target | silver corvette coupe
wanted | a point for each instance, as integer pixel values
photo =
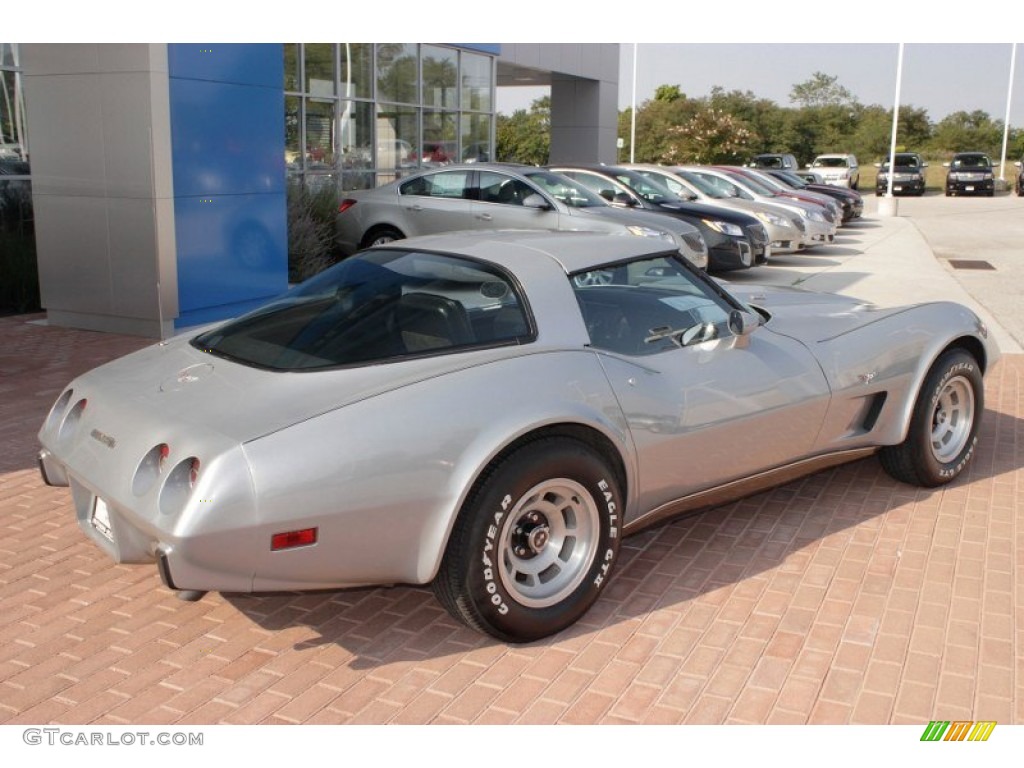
(490, 413)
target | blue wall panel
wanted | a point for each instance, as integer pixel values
(227, 135)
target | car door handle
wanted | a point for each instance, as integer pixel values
(415, 207)
(485, 216)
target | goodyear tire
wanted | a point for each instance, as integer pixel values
(535, 543)
(943, 431)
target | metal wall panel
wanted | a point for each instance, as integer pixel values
(227, 135)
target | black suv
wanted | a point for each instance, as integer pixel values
(970, 173)
(775, 161)
(908, 176)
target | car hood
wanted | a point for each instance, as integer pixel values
(175, 383)
(635, 216)
(809, 316)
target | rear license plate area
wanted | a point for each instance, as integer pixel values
(100, 519)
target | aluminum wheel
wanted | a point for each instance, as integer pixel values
(548, 543)
(952, 419)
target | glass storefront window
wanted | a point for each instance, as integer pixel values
(440, 137)
(291, 66)
(440, 77)
(319, 134)
(363, 114)
(476, 139)
(319, 69)
(398, 137)
(356, 70)
(355, 134)
(293, 132)
(13, 136)
(397, 73)
(476, 82)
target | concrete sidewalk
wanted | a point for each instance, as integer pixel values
(889, 262)
(897, 266)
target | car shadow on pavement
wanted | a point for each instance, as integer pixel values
(661, 572)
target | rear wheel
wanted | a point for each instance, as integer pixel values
(535, 543)
(943, 428)
(381, 236)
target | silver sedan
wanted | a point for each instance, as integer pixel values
(479, 196)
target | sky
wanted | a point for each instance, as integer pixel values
(955, 58)
(941, 78)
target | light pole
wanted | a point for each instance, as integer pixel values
(889, 206)
(1006, 121)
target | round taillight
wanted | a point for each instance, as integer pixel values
(57, 411)
(149, 469)
(70, 423)
(178, 486)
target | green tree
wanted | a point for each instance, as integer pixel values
(525, 135)
(821, 91)
(966, 131)
(668, 93)
(710, 136)
(653, 120)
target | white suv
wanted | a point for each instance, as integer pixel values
(837, 170)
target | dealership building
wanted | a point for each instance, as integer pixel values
(155, 179)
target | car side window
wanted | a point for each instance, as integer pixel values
(648, 306)
(450, 184)
(502, 189)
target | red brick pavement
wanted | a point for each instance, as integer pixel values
(842, 598)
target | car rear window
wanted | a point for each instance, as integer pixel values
(383, 305)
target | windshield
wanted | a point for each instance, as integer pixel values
(831, 162)
(704, 187)
(971, 161)
(754, 185)
(791, 179)
(382, 305)
(649, 190)
(566, 190)
(903, 161)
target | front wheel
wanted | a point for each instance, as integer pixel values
(943, 428)
(535, 543)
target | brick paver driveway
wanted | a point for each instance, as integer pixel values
(842, 598)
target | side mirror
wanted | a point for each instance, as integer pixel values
(743, 323)
(536, 201)
(623, 198)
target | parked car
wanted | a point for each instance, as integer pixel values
(772, 160)
(838, 169)
(494, 196)
(490, 414)
(833, 209)
(850, 199)
(908, 175)
(1020, 178)
(785, 229)
(819, 230)
(970, 173)
(735, 240)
